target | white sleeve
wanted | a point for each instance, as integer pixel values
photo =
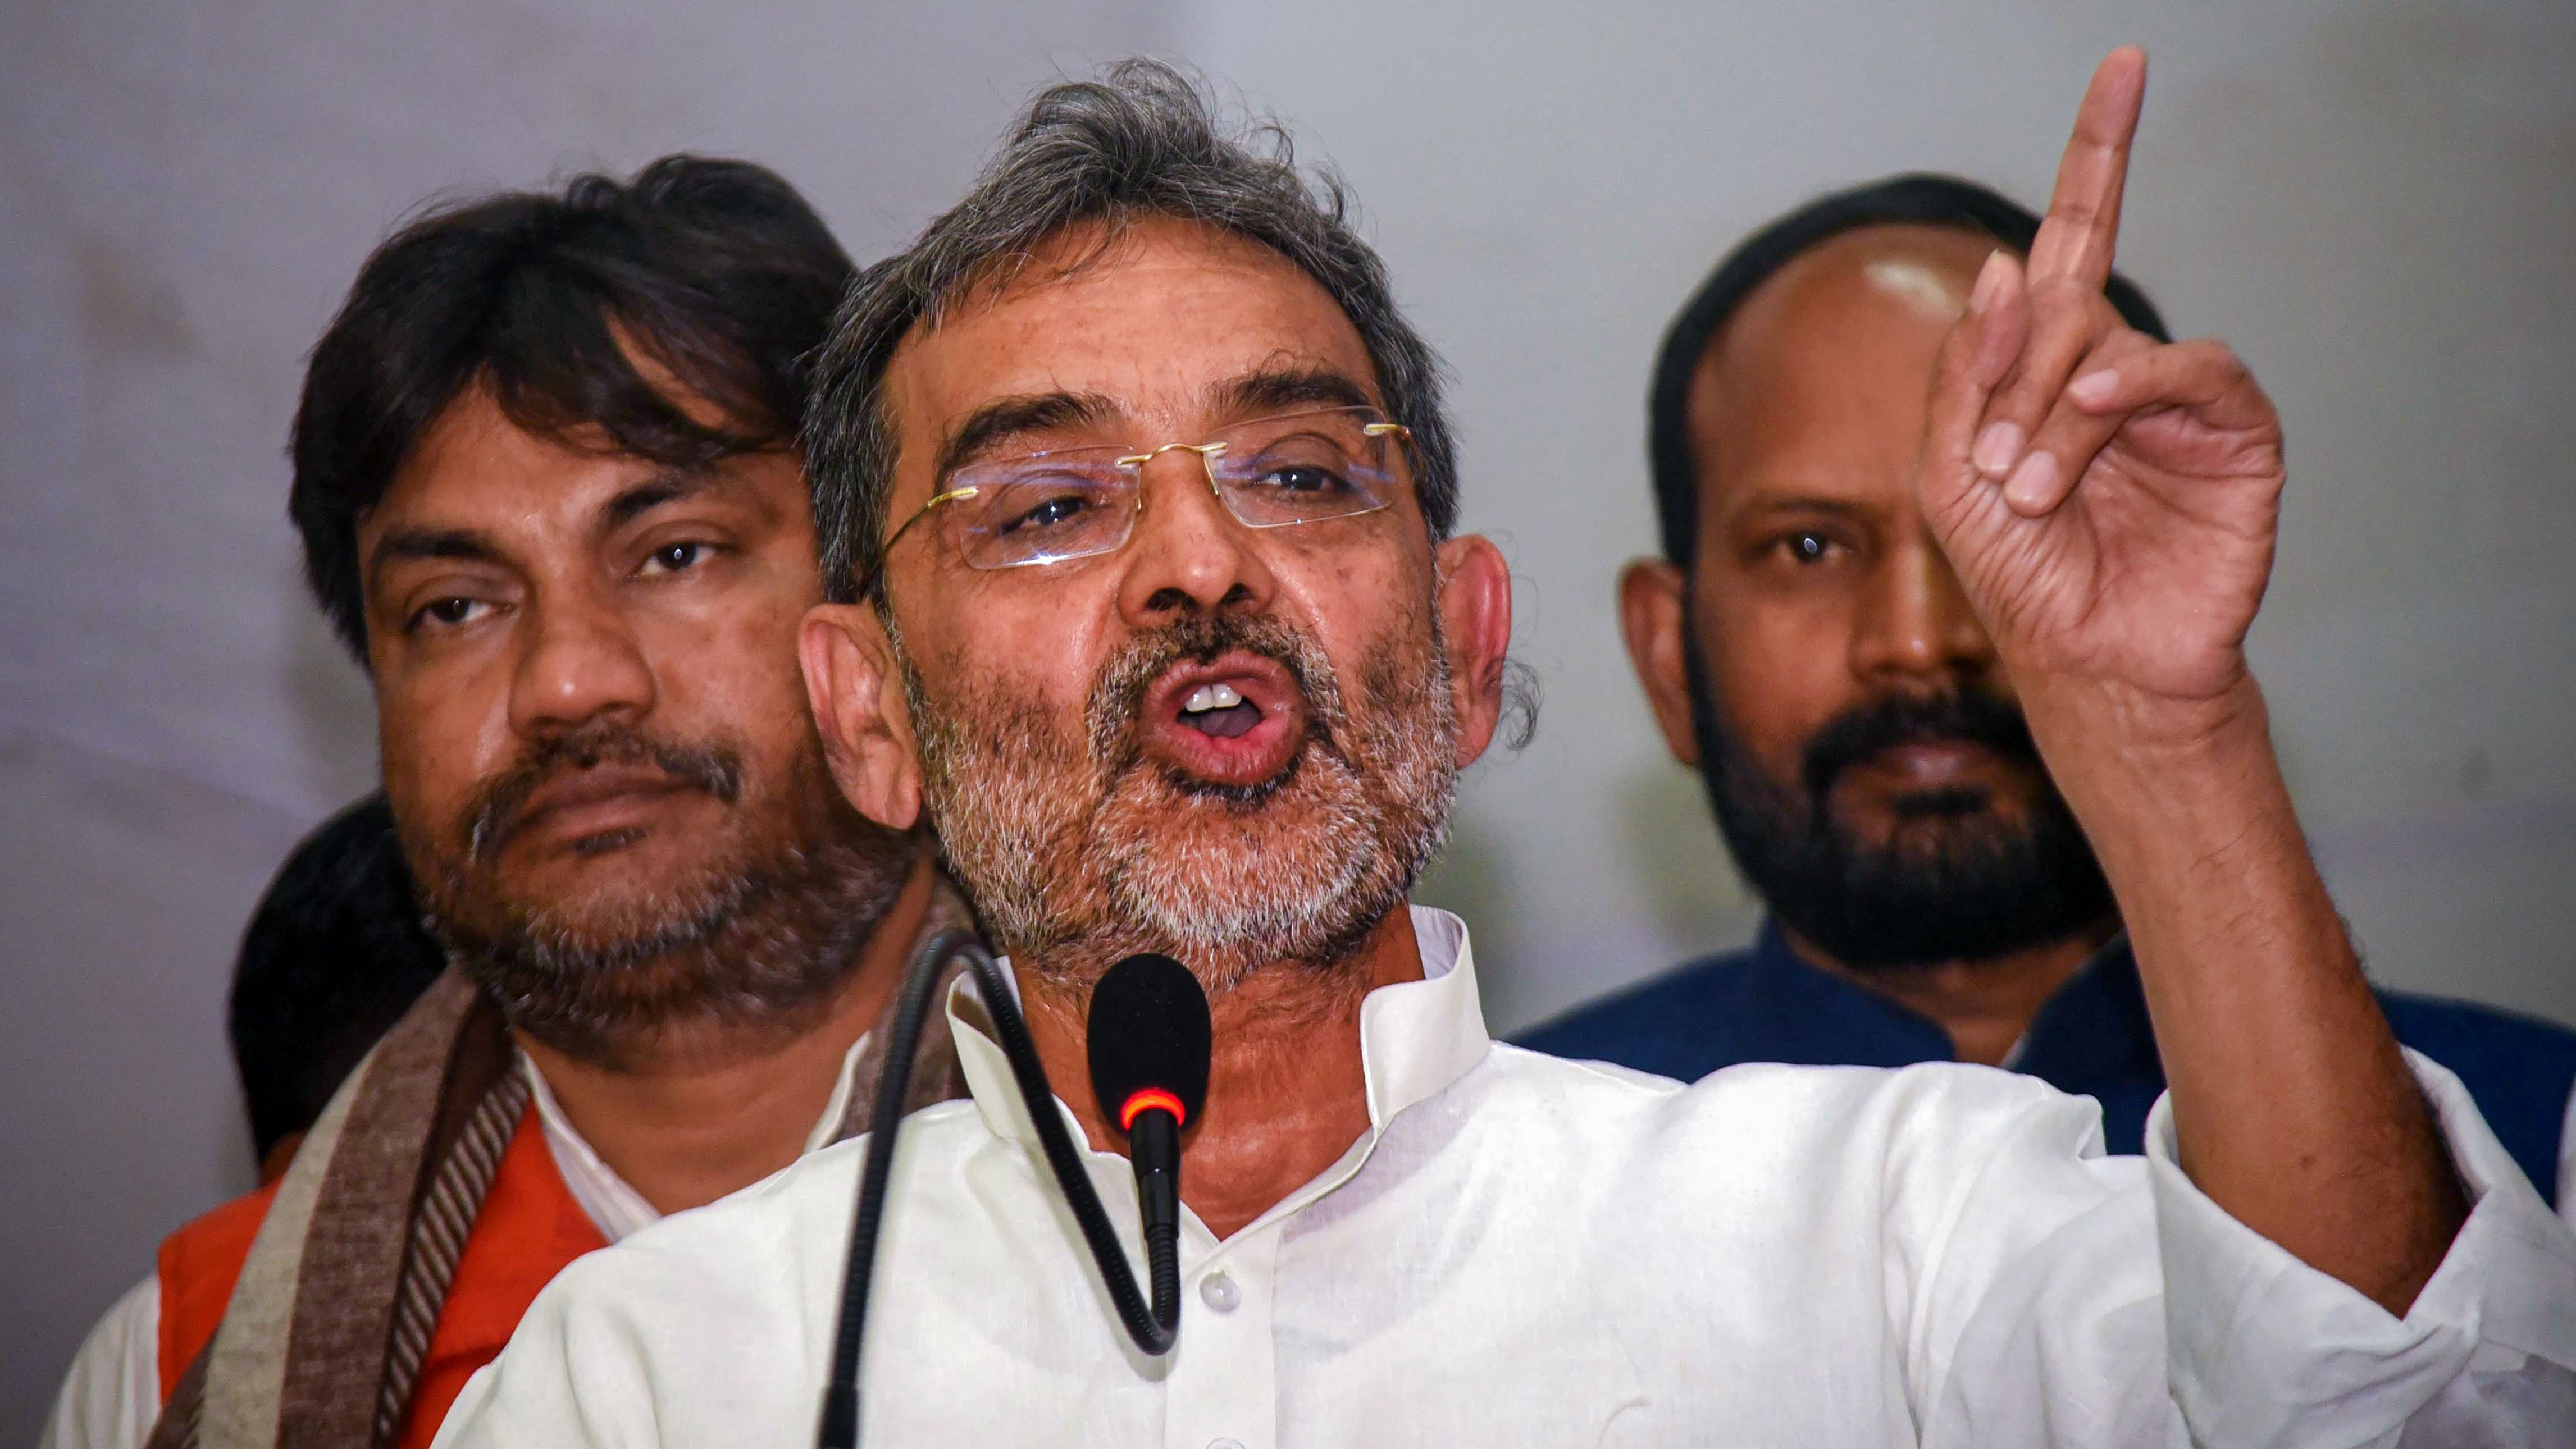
(2035, 1315)
(112, 1395)
(2266, 1350)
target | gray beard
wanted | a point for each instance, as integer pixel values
(1081, 852)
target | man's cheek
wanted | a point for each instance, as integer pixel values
(1781, 720)
(1771, 723)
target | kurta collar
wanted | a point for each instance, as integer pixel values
(1416, 1037)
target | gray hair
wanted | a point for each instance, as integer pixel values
(1142, 141)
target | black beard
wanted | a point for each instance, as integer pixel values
(1983, 887)
(761, 941)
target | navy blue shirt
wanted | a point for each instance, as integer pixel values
(1764, 1004)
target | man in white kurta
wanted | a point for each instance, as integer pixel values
(1146, 503)
(1523, 1250)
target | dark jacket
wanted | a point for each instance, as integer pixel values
(1764, 1004)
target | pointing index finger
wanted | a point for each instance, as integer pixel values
(2083, 223)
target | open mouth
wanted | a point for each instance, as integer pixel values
(1219, 710)
(1235, 720)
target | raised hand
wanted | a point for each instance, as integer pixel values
(2110, 505)
(2109, 502)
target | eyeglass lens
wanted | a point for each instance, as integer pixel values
(1269, 473)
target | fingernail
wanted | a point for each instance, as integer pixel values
(1996, 448)
(2094, 388)
(2029, 488)
(1989, 277)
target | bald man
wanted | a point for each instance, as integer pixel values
(1807, 648)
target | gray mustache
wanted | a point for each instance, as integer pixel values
(1118, 696)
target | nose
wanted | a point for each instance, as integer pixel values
(579, 661)
(1916, 627)
(1188, 553)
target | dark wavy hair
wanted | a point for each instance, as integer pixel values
(715, 272)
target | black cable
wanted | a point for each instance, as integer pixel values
(885, 1123)
(1155, 1332)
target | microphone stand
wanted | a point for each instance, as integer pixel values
(1154, 1330)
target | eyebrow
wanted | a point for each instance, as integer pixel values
(636, 500)
(1766, 500)
(403, 545)
(466, 545)
(1274, 390)
(1283, 389)
(1003, 419)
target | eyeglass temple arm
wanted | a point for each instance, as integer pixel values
(876, 571)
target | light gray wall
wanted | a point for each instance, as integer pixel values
(2373, 200)
(185, 193)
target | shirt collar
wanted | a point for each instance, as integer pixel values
(1416, 1037)
(1837, 1007)
(610, 1202)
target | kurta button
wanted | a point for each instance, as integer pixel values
(1217, 1291)
(1225, 1444)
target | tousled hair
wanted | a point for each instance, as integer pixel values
(716, 273)
(1914, 198)
(1142, 141)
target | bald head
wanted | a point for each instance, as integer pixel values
(1944, 207)
(1819, 378)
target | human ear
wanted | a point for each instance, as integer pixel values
(856, 693)
(1654, 610)
(1476, 619)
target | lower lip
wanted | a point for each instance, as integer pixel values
(1251, 758)
(1938, 763)
(572, 824)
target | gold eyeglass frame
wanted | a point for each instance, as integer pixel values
(1208, 453)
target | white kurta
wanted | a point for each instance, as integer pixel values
(1527, 1251)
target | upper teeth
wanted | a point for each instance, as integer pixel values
(1212, 696)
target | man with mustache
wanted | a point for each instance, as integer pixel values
(1139, 499)
(1806, 645)
(549, 490)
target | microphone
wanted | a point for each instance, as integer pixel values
(1149, 1041)
(1154, 1060)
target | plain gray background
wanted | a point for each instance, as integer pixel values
(2375, 201)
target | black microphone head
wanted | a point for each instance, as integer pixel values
(1149, 1032)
